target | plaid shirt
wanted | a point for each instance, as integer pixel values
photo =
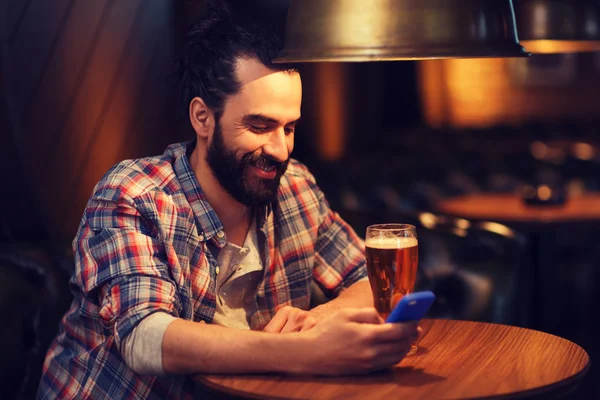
(149, 240)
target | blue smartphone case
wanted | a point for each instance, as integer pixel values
(412, 307)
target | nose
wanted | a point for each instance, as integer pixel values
(279, 145)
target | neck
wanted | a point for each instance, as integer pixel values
(234, 216)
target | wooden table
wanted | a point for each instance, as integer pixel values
(457, 360)
(541, 224)
(509, 209)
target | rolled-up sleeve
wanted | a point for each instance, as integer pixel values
(127, 301)
(339, 252)
(121, 266)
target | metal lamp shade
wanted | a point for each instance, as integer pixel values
(376, 30)
(558, 26)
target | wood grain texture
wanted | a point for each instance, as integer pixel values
(508, 208)
(40, 28)
(86, 84)
(64, 73)
(457, 360)
(16, 11)
(122, 132)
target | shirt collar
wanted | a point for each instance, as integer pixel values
(208, 224)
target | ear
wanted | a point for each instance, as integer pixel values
(201, 118)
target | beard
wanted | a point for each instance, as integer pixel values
(236, 176)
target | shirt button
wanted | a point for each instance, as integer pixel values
(217, 269)
(220, 234)
(201, 238)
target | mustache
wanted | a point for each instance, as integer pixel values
(264, 161)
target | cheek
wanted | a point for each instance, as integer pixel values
(246, 145)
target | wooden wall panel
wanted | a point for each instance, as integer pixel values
(88, 89)
(17, 209)
(40, 30)
(16, 11)
(64, 74)
(91, 103)
(123, 131)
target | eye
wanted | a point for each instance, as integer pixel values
(258, 129)
(289, 130)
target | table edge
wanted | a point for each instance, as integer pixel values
(571, 383)
(441, 208)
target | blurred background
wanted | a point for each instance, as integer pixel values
(83, 85)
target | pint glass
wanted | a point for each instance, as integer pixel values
(392, 259)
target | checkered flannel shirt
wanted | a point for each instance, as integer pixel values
(148, 241)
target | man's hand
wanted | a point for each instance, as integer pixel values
(291, 319)
(355, 341)
(350, 341)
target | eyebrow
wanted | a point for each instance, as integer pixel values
(259, 118)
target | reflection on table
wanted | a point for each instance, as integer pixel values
(457, 359)
(510, 209)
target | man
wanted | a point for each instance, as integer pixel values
(201, 260)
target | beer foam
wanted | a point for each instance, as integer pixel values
(391, 242)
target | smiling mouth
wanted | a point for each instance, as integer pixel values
(264, 171)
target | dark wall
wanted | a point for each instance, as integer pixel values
(83, 86)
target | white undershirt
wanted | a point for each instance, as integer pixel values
(240, 271)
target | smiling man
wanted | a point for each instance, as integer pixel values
(202, 259)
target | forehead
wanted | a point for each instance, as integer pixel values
(276, 94)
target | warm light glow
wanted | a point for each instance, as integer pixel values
(500, 229)
(539, 150)
(331, 109)
(428, 220)
(544, 192)
(432, 85)
(465, 92)
(463, 224)
(459, 232)
(583, 151)
(483, 93)
(560, 46)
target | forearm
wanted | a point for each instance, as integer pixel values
(190, 347)
(356, 296)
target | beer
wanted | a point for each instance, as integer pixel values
(392, 267)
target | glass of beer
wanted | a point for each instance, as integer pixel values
(392, 252)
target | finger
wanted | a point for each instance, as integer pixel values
(290, 327)
(293, 323)
(277, 323)
(362, 315)
(299, 321)
(309, 323)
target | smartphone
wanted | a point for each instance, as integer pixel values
(412, 307)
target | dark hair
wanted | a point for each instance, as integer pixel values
(206, 67)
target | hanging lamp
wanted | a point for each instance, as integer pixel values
(379, 30)
(558, 26)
